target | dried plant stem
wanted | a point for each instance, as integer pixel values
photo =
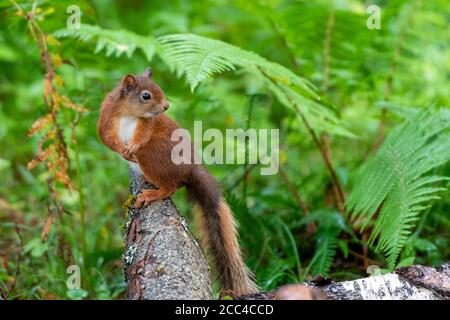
(337, 189)
(53, 154)
(339, 195)
(311, 226)
(325, 145)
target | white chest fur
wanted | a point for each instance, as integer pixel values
(127, 125)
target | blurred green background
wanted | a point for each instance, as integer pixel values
(367, 79)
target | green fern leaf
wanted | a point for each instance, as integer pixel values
(115, 42)
(199, 58)
(330, 225)
(396, 183)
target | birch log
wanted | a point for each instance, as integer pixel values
(162, 260)
(408, 283)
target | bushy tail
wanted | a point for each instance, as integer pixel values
(218, 233)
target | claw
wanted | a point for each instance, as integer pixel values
(148, 196)
(129, 153)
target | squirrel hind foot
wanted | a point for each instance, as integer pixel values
(148, 196)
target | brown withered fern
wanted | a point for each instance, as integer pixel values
(52, 148)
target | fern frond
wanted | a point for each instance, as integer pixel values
(115, 42)
(199, 58)
(198, 63)
(396, 184)
(330, 225)
(202, 57)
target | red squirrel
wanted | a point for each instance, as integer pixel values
(132, 123)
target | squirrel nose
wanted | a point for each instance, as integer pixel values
(166, 106)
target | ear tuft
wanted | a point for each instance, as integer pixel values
(148, 72)
(129, 82)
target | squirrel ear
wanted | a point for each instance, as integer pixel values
(148, 72)
(129, 82)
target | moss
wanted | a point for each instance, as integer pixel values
(129, 203)
(160, 269)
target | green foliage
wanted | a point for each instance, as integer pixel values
(315, 59)
(325, 248)
(326, 243)
(115, 42)
(200, 58)
(397, 184)
(330, 226)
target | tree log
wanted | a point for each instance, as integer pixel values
(162, 260)
(407, 283)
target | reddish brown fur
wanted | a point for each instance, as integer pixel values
(151, 148)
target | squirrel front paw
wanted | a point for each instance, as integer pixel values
(129, 153)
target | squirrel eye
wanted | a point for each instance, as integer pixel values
(146, 95)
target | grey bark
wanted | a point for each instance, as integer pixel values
(408, 283)
(161, 258)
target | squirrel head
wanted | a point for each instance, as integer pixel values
(141, 96)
